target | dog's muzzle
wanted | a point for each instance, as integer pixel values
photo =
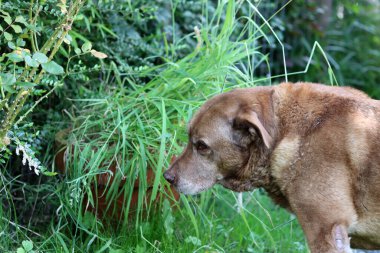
(170, 176)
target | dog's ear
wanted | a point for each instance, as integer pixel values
(249, 121)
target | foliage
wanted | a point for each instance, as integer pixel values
(346, 30)
(354, 44)
(29, 73)
(27, 247)
(23, 68)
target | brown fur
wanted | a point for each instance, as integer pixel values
(315, 149)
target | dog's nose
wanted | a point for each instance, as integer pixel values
(170, 176)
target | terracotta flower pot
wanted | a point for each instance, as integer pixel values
(104, 208)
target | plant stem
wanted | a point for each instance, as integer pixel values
(23, 94)
(31, 22)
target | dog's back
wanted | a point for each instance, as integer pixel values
(340, 126)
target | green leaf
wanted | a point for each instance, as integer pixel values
(20, 250)
(39, 92)
(25, 84)
(77, 51)
(20, 42)
(7, 79)
(28, 245)
(68, 39)
(40, 57)
(4, 13)
(53, 68)
(194, 240)
(229, 20)
(11, 45)
(17, 28)
(15, 57)
(21, 19)
(50, 173)
(1, 28)
(86, 47)
(8, 36)
(8, 20)
(31, 62)
(9, 89)
(25, 52)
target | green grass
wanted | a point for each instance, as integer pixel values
(221, 227)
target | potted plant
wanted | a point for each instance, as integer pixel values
(113, 192)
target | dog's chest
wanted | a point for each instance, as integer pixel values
(284, 158)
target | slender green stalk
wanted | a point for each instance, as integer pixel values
(31, 33)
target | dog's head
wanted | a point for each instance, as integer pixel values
(226, 138)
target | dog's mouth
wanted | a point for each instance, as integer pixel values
(192, 191)
(188, 187)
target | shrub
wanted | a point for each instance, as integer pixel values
(25, 64)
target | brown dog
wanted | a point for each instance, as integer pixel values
(315, 149)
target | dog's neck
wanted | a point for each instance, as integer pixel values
(256, 174)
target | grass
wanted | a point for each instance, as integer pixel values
(136, 127)
(222, 227)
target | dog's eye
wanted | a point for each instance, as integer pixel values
(201, 146)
